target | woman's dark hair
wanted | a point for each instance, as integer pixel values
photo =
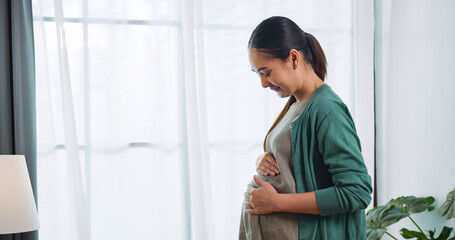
(276, 36)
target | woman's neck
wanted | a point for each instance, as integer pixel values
(310, 84)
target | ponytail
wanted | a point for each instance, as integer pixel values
(316, 56)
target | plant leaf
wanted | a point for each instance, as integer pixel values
(447, 209)
(384, 216)
(411, 204)
(375, 233)
(445, 233)
(412, 234)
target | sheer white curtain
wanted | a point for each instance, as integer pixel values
(149, 117)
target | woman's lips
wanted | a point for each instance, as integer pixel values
(276, 89)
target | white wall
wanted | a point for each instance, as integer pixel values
(415, 103)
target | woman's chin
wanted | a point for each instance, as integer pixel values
(282, 94)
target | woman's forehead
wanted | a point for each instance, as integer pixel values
(259, 59)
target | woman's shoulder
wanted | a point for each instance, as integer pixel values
(325, 101)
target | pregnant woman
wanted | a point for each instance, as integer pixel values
(312, 182)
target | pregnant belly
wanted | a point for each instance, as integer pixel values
(281, 182)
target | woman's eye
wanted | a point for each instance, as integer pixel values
(267, 74)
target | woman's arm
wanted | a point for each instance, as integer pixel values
(298, 203)
(265, 200)
(340, 148)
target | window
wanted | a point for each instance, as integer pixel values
(125, 111)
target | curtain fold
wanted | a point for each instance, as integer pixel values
(77, 199)
(17, 89)
(198, 150)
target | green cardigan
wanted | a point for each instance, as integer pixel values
(328, 161)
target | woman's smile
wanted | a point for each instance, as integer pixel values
(276, 89)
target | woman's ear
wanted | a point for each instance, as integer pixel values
(294, 58)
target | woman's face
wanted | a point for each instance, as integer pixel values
(280, 76)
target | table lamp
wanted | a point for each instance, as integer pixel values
(17, 205)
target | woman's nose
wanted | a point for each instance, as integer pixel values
(264, 82)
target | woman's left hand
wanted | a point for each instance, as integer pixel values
(262, 200)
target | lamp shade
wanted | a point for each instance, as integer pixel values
(17, 205)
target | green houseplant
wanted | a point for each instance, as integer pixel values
(379, 218)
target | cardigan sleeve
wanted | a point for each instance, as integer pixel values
(340, 148)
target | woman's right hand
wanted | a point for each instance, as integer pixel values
(266, 165)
